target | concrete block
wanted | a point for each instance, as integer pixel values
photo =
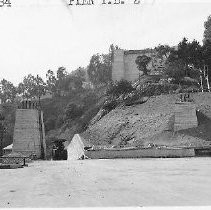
(26, 137)
(185, 116)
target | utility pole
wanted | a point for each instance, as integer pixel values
(201, 80)
(207, 77)
(1, 141)
(1, 134)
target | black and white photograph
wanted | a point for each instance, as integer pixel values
(105, 103)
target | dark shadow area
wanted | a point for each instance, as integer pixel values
(202, 118)
(203, 131)
(203, 152)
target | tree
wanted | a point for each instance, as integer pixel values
(57, 83)
(64, 81)
(23, 91)
(112, 48)
(176, 70)
(190, 53)
(39, 87)
(100, 66)
(61, 75)
(207, 31)
(73, 111)
(51, 81)
(186, 60)
(25, 88)
(7, 91)
(207, 44)
(161, 56)
(183, 51)
(95, 69)
(80, 73)
(163, 51)
(32, 87)
(142, 61)
(195, 54)
(72, 82)
(77, 77)
(2, 130)
(207, 55)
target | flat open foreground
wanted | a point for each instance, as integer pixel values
(120, 182)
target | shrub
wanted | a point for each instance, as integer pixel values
(176, 70)
(89, 99)
(110, 104)
(87, 117)
(119, 88)
(158, 89)
(73, 111)
(50, 124)
(59, 121)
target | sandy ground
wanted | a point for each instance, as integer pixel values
(122, 182)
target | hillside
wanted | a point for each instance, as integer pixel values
(151, 122)
(62, 126)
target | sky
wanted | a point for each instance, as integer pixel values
(38, 35)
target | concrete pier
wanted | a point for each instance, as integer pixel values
(26, 138)
(185, 116)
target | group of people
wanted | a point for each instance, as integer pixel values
(185, 97)
(29, 104)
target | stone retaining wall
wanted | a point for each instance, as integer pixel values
(140, 153)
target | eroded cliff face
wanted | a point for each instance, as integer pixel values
(152, 122)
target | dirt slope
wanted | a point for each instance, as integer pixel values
(152, 122)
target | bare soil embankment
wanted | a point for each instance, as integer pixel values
(152, 122)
